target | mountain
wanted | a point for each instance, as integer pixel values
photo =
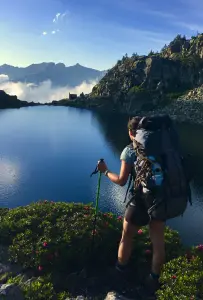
(146, 82)
(7, 101)
(59, 74)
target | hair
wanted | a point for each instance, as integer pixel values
(133, 123)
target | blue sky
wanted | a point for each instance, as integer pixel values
(94, 33)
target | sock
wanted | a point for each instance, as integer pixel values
(155, 276)
(121, 267)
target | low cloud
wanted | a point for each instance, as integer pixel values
(3, 78)
(44, 92)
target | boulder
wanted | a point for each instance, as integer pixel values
(10, 292)
(116, 296)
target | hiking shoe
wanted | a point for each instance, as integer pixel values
(149, 288)
(116, 280)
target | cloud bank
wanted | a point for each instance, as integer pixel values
(3, 78)
(44, 92)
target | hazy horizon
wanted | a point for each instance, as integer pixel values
(43, 92)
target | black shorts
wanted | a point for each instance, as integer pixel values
(136, 214)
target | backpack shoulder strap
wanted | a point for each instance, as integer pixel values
(131, 175)
(129, 184)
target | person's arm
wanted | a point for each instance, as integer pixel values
(120, 179)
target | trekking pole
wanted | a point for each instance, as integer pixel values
(96, 204)
(84, 273)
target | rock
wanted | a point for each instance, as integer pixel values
(4, 269)
(116, 296)
(7, 101)
(10, 292)
(79, 298)
(10, 268)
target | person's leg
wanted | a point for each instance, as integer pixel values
(135, 217)
(125, 246)
(151, 284)
(156, 230)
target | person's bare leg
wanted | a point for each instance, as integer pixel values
(125, 246)
(156, 230)
(151, 285)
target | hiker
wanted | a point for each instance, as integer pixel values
(136, 214)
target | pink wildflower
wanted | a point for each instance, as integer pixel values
(200, 247)
(140, 231)
(40, 268)
(45, 244)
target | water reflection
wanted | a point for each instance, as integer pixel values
(9, 179)
(114, 128)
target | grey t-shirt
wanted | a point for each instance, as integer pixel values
(128, 155)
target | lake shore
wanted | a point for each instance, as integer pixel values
(181, 110)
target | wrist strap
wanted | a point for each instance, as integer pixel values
(106, 172)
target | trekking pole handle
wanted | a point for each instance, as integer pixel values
(96, 169)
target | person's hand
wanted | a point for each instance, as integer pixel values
(102, 167)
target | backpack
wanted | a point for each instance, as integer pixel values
(161, 177)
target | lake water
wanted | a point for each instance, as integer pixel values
(49, 153)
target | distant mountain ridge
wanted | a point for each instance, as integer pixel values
(58, 73)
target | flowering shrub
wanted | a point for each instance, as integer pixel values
(47, 236)
(182, 278)
(37, 289)
(55, 239)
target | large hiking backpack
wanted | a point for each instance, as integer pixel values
(160, 173)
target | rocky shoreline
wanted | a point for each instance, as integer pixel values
(181, 110)
(187, 108)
